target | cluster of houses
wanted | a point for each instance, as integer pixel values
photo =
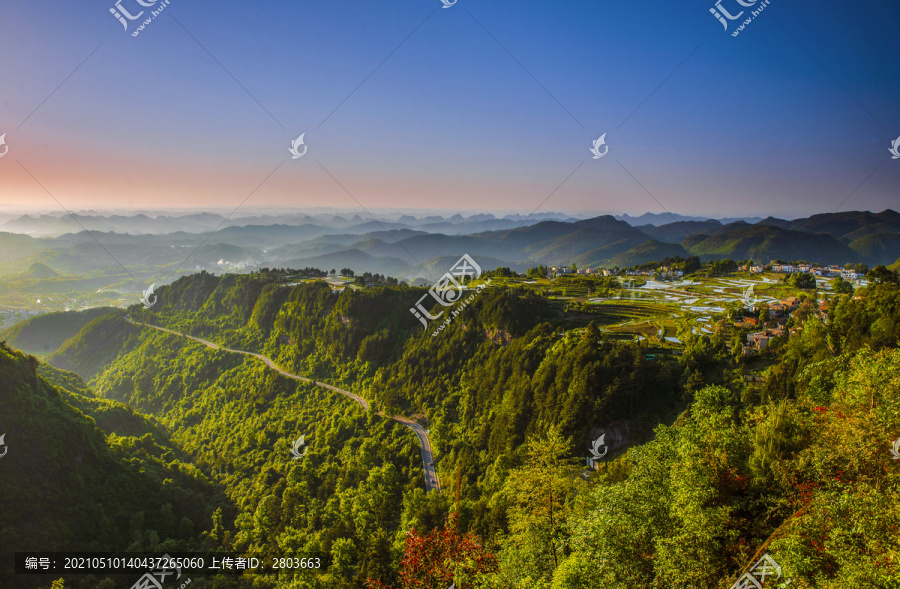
(824, 272)
(663, 271)
(668, 272)
(558, 270)
(779, 313)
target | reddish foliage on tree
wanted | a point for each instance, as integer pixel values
(431, 561)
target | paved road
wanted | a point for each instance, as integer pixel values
(431, 478)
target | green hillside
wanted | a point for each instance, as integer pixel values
(43, 334)
(355, 492)
(704, 470)
(40, 271)
(94, 345)
(690, 242)
(762, 243)
(582, 243)
(356, 260)
(16, 248)
(878, 248)
(846, 225)
(680, 230)
(650, 251)
(68, 486)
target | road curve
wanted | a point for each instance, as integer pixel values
(431, 478)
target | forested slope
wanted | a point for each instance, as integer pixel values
(45, 333)
(345, 501)
(797, 466)
(68, 486)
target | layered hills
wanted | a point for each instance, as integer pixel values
(96, 268)
(193, 444)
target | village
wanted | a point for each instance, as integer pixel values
(663, 272)
(664, 302)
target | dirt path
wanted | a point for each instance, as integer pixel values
(431, 478)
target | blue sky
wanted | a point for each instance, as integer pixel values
(785, 119)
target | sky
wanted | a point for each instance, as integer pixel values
(478, 106)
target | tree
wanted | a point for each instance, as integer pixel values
(539, 492)
(501, 271)
(803, 280)
(721, 267)
(539, 272)
(443, 557)
(882, 275)
(764, 315)
(841, 286)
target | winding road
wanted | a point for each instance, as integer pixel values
(431, 478)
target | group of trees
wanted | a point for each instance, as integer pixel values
(68, 485)
(512, 403)
(688, 265)
(500, 272)
(369, 279)
(883, 275)
(537, 273)
(802, 280)
(276, 272)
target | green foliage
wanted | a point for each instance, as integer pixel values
(803, 280)
(94, 346)
(882, 275)
(500, 272)
(721, 267)
(796, 466)
(238, 419)
(45, 333)
(539, 494)
(593, 283)
(71, 487)
(536, 273)
(841, 286)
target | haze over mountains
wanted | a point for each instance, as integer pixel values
(409, 247)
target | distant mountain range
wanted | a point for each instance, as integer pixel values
(409, 247)
(658, 219)
(53, 225)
